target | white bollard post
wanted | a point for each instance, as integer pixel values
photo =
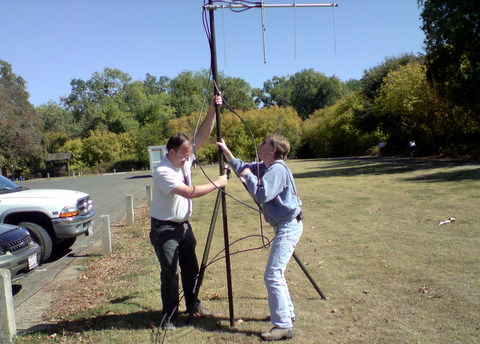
(130, 215)
(8, 329)
(106, 235)
(149, 195)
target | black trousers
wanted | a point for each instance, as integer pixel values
(174, 245)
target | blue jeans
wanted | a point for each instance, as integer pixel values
(287, 235)
(174, 245)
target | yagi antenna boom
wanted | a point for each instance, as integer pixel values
(262, 5)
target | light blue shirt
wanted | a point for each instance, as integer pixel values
(276, 192)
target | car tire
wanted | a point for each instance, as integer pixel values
(41, 237)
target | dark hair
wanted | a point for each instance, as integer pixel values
(176, 141)
(281, 145)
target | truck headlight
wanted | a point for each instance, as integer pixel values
(69, 211)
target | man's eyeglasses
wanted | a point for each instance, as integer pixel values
(183, 156)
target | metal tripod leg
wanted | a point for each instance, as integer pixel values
(203, 266)
(310, 278)
(206, 252)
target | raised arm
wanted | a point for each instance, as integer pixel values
(226, 152)
(206, 127)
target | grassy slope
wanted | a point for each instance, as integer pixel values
(371, 241)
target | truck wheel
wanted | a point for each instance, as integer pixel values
(40, 236)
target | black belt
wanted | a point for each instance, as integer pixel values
(168, 223)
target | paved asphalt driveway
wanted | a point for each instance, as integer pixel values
(108, 193)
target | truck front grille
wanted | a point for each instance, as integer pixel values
(84, 205)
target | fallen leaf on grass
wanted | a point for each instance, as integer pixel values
(449, 220)
(424, 290)
(358, 301)
(215, 297)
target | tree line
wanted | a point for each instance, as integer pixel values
(109, 120)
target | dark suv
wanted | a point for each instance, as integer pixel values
(18, 252)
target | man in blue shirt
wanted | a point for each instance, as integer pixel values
(271, 184)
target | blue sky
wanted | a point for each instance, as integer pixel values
(51, 42)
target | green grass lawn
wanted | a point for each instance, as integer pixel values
(371, 241)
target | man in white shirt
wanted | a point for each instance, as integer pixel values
(171, 234)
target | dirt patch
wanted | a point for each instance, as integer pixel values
(80, 285)
(30, 314)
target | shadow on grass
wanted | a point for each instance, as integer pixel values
(132, 321)
(473, 174)
(138, 321)
(222, 324)
(348, 167)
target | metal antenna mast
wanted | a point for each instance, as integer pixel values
(221, 198)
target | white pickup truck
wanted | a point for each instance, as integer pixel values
(54, 218)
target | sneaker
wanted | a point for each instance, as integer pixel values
(168, 326)
(278, 334)
(203, 311)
